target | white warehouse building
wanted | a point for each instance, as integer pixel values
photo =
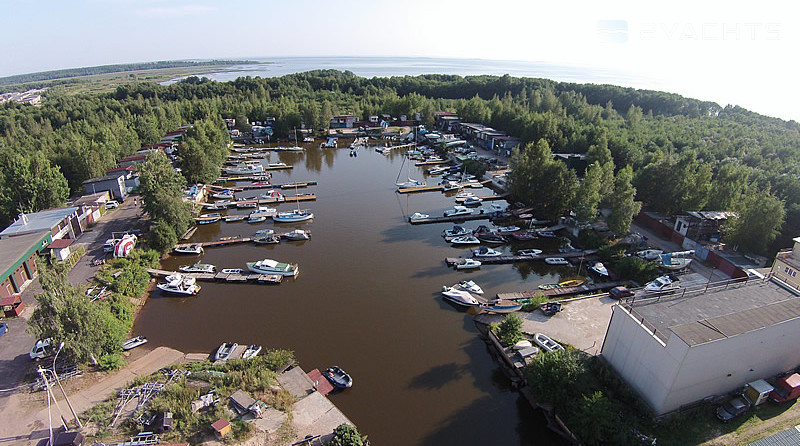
(682, 348)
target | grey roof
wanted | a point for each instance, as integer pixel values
(38, 221)
(698, 318)
(13, 248)
(789, 437)
(109, 177)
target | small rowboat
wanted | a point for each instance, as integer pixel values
(338, 377)
(134, 342)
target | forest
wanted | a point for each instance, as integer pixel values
(679, 154)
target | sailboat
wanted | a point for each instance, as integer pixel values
(293, 216)
(411, 182)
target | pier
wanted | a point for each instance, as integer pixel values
(561, 291)
(244, 277)
(413, 190)
(500, 260)
(456, 219)
(485, 198)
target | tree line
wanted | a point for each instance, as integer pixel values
(683, 154)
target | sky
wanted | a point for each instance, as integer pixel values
(730, 52)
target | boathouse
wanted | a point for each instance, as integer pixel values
(680, 349)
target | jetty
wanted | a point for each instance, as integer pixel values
(413, 190)
(560, 291)
(431, 163)
(457, 218)
(297, 184)
(515, 259)
(244, 277)
(485, 198)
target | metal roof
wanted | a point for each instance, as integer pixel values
(789, 437)
(15, 248)
(38, 221)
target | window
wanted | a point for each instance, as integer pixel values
(790, 271)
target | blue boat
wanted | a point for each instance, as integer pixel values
(296, 215)
(338, 377)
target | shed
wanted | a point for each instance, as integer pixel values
(222, 427)
(757, 391)
(59, 248)
(12, 305)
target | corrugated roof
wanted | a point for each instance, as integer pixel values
(38, 221)
(14, 248)
(733, 324)
(789, 437)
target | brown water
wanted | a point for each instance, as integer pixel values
(367, 299)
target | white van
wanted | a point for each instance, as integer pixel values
(41, 349)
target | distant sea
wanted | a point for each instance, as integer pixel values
(413, 66)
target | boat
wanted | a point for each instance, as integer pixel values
(418, 216)
(273, 196)
(661, 284)
(456, 231)
(178, 277)
(226, 195)
(225, 351)
(260, 214)
(269, 266)
(134, 342)
(548, 234)
(650, 254)
(246, 168)
(234, 218)
(261, 183)
(188, 249)
(218, 206)
(251, 352)
(556, 261)
(296, 235)
(457, 210)
(468, 264)
(599, 268)
(490, 237)
(465, 240)
(270, 239)
(437, 170)
(472, 183)
(256, 218)
(232, 271)
(293, 216)
(472, 201)
(459, 297)
(246, 205)
(449, 186)
(338, 377)
(507, 229)
(308, 139)
(198, 268)
(410, 182)
(180, 285)
(525, 235)
(483, 251)
(502, 306)
(549, 286)
(205, 219)
(263, 232)
(469, 285)
(547, 344)
(109, 245)
(667, 261)
(269, 278)
(529, 252)
(277, 165)
(125, 245)
(571, 283)
(463, 195)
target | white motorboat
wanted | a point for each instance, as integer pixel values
(246, 168)
(232, 271)
(296, 235)
(556, 261)
(459, 297)
(457, 231)
(256, 218)
(472, 183)
(134, 342)
(418, 216)
(465, 240)
(529, 252)
(251, 352)
(437, 170)
(650, 254)
(469, 285)
(226, 195)
(224, 351)
(186, 285)
(507, 229)
(204, 219)
(457, 210)
(263, 232)
(450, 186)
(188, 249)
(661, 284)
(599, 268)
(270, 239)
(464, 195)
(472, 201)
(411, 183)
(468, 264)
(273, 196)
(269, 266)
(547, 344)
(198, 268)
(294, 216)
(483, 251)
(277, 165)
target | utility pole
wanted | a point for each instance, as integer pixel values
(58, 381)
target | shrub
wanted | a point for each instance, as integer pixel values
(510, 330)
(346, 435)
(636, 269)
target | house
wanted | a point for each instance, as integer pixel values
(60, 222)
(445, 121)
(679, 349)
(114, 184)
(130, 175)
(59, 249)
(18, 262)
(132, 160)
(343, 121)
(702, 226)
(787, 264)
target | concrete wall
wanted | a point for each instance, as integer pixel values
(646, 364)
(786, 272)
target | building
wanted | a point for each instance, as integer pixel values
(787, 264)
(132, 160)
(130, 175)
(703, 226)
(680, 349)
(60, 249)
(18, 262)
(114, 184)
(60, 222)
(343, 121)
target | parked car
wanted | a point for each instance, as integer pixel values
(786, 388)
(112, 204)
(732, 408)
(3, 328)
(619, 292)
(42, 349)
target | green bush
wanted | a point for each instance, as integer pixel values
(510, 330)
(636, 269)
(591, 239)
(111, 361)
(346, 435)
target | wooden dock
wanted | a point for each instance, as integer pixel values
(563, 291)
(321, 383)
(455, 219)
(413, 190)
(245, 277)
(232, 241)
(431, 163)
(485, 198)
(515, 259)
(288, 166)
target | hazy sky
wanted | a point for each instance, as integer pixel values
(742, 53)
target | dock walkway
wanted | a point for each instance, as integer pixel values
(556, 292)
(514, 259)
(245, 277)
(457, 218)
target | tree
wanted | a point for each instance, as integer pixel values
(588, 196)
(510, 330)
(162, 236)
(539, 180)
(162, 190)
(552, 377)
(730, 182)
(346, 435)
(760, 219)
(28, 183)
(622, 203)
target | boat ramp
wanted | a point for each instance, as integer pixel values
(561, 291)
(580, 256)
(245, 277)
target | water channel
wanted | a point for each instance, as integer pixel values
(367, 299)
